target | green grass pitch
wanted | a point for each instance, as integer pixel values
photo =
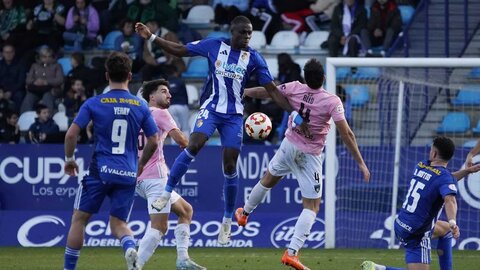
(219, 258)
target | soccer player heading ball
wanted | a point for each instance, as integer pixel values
(300, 154)
(231, 63)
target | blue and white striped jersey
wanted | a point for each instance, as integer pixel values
(229, 72)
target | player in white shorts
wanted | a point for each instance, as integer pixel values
(301, 154)
(152, 182)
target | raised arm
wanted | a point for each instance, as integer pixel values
(349, 139)
(460, 174)
(451, 211)
(176, 49)
(256, 92)
(178, 136)
(475, 150)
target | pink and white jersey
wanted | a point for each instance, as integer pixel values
(156, 168)
(316, 106)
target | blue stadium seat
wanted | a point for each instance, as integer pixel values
(366, 73)
(66, 64)
(469, 95)
(358, 95)
(197, 68)
(470, 143)
(454, 122)
(476, 130)
(407, 13)
(342, 73)
(474, 73)
(109, 41)
(218, 34)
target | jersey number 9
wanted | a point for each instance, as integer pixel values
(119, 135)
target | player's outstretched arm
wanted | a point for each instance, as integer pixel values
(148, 151)
(348, 137)
(451, 212)
(71, 167)
(256, 92)
(460, 174)
(475, 150)
(178, 136)
(176, 49)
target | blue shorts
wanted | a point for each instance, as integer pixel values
(417, 246)
(91, 194)
(230, 127)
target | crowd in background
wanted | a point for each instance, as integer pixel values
(35, 34)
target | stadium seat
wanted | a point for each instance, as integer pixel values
(469, 95)
(366, 73)
(454, 122)
(109, 41)
(197, 68)
(62, 120)
(474, 73)
(313, 42)
(200, 14)
(272, 64)
(476, 130)
(26, 119)
(407, 13)
(219, 34)
(66, 64)
(358, 95)
(342, 72)
(258, 40)
(192, 93)
(284, 41)
(470, 143)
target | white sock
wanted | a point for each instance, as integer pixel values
(182, 236)
(302, 229)
(255, 198)
(227, 220)
(148, 244)
(379, 267)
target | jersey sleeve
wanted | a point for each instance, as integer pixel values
(336, 110)
(164, 120)
(261, 69)
(148, 125)
(84, 114)
(201, 47)
(448, 186)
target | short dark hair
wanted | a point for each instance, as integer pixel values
(40, 107)
(240, 20)
(10, 113)
(151, 86)
(314, 73)
(118, 66)
(79, 57)
(445, 147)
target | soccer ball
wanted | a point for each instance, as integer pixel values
(258, 126)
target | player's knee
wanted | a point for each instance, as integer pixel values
(188, 212)
(229, 168)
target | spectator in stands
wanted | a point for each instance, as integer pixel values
(384, 25)
(131, 44)
(12, 75)
(10, 131)
(48, 23)
(179, 101)
(348, 20)
(79, 71)
(13, 22)
(5, 104)
(265, 18)
(226, 10)
(43, 126)
(323, 12)
(82, 26)
(44, 81)
(162, 11)
(74, 98)
(295, 14)
(288, 70)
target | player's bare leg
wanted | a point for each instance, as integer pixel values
(230, 190)
(179, 168)
(184, 211)
(75, 238)
(121, 231)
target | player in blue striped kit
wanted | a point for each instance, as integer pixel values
(432, 188)
(231, 63)
(117, 118)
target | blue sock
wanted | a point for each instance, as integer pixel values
(393, 268)
(444, 249)
(71, 258)
(230, 189)
(127, 242)
(179, 168)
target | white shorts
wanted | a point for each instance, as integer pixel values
(307, 168)
(150, 190)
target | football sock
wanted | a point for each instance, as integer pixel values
(179, 168)
(390, 268)
(71, 258)
(230, 189)
(302, 229)
(148, 244)
(127, 242)
(182, 235)
(226, 220)
(256, 196)
(444, 250)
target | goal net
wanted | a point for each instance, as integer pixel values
(395, 108)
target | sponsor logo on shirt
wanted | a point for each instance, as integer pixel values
(232, 71)
(105, 169)
(452, 187)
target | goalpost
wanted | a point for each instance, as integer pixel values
(396, 110)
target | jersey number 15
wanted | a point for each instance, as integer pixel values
(415, 187)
